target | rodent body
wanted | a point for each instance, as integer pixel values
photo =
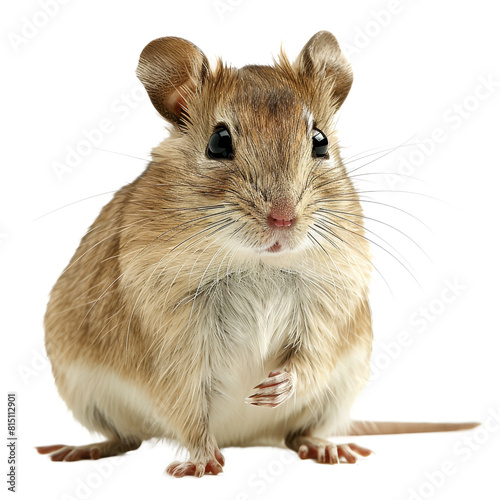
(209, 274)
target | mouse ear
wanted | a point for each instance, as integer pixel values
(322, 58)
(171, 69)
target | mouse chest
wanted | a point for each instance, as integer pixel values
(255, 316)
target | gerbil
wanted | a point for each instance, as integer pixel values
(220, 299)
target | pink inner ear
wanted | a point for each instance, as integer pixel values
(176, 104)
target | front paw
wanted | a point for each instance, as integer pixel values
(274, 390)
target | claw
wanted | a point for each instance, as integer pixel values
(273, 380)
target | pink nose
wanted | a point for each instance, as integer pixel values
(280, 222)
(282, 213)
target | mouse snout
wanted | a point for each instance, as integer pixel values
(282, 213)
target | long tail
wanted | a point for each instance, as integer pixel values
(361, 427)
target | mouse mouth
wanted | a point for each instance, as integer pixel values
(274, 248)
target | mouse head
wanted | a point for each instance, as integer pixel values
(257, 141)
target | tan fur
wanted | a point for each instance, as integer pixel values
(171, 310)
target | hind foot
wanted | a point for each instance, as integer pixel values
(63, 453)
(198, 468)
(326, 452)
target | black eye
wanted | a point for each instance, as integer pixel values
(320, 144)
(220, 144)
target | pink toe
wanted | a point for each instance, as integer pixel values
(303, 451)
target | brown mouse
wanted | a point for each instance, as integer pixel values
(220, 299)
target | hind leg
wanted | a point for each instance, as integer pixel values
(324, 451)
(63, 453)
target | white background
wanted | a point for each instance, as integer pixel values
(416, 65)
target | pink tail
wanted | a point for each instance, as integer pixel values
(361, 427)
